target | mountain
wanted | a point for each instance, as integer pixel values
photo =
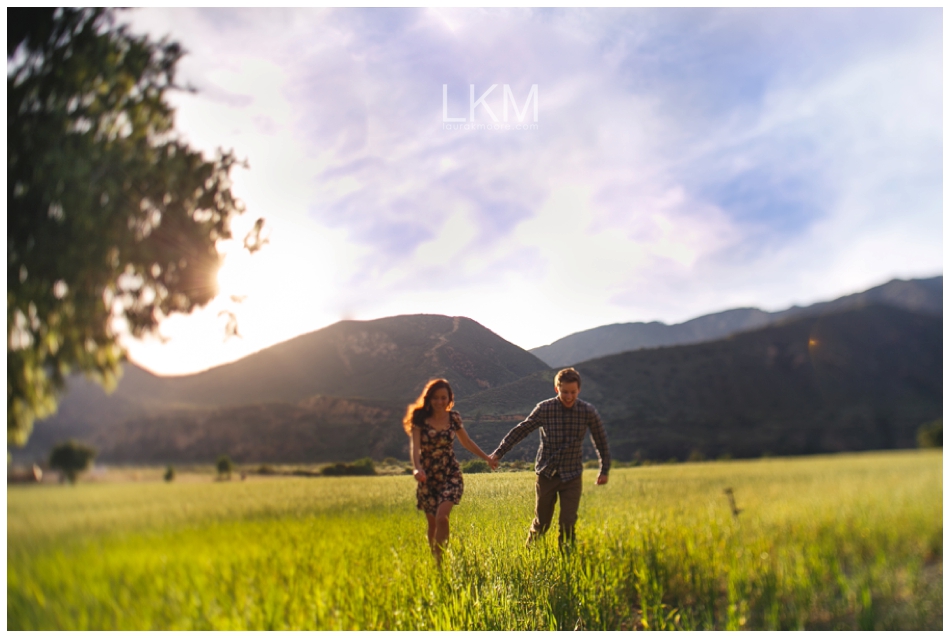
(854, 379)
(924, 296)
(315, 430)
(379, 365)
(621, 337)
(390, 358)
(857, 379)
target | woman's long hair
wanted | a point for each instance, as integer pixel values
(421, 410)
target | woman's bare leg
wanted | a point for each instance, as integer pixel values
(430, 533)
(441, 529)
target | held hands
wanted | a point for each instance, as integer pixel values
(492, 462)
(419, 475)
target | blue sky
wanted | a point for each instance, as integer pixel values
(684, 161)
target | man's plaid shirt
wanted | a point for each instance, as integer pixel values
(562, 433)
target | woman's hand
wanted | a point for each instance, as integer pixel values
(419, 475)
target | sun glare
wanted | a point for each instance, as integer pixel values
(274, 272)
(282, 288)
(242, 274)
(292, 286)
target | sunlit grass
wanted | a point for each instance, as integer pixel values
(850, 542)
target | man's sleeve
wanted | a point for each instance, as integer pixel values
(517, 433)
(599, 436)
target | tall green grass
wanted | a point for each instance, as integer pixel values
(844, 542)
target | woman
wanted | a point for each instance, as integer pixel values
(433, 425)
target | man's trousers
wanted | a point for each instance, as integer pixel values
(547, 491)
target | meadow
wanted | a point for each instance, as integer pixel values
(832, 542)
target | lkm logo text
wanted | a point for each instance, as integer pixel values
(461, 123)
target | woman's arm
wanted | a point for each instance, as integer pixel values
(472, 447)
(415, 444)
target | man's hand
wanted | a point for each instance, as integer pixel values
(493, 462)
(419, 475)
(602, 479)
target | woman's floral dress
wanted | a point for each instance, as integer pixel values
(443, 476)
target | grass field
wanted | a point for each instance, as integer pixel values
(842, 542)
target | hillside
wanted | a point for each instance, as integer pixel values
(924, 296)
(389, 358)
(860, 379)
(318, 429)
(384, 362)
(854, 380)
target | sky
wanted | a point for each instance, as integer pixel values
(683, 162)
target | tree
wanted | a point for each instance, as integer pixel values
(930, 434)
(224, 466)
(169, 474)
(71, 458)
(112, 221)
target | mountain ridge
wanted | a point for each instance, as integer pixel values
(385, 360)
(856, 379)
(920, 295)
(339, 393)
(349, 354)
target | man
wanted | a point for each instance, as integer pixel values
(563, 421)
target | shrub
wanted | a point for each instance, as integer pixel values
(930, 434)
(266, 469)
(475, 466)
(71, 458)
(592, 464)
(362, 467)
(170, 473)
(224, 466)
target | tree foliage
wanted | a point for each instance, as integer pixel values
(71, 458)
(112, 219)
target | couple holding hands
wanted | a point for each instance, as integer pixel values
(563, 420)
